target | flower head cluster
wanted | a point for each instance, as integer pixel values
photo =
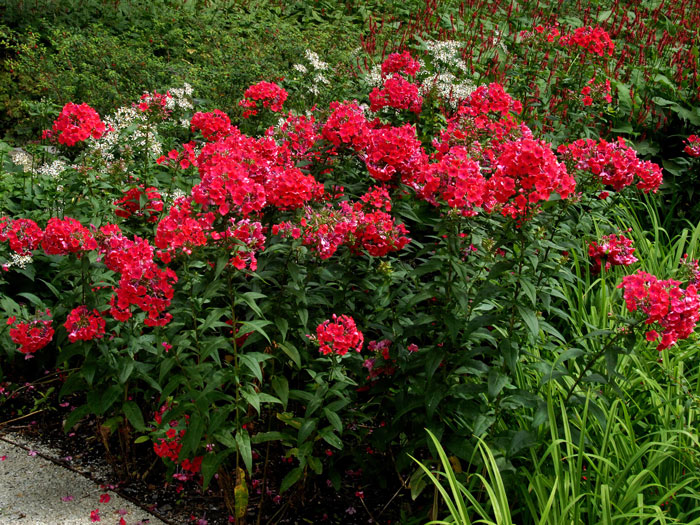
(214, 125)
(692, 147)
(155, 105)
(24, 235)
(346, 125)
(612, 163)
(398, 93)
(84, 325)
(130, 204)
(675, 310)
(170, 447)
(690, 270)
(182, 229)
(527, 173)
(594, 40)
(393, 150)
(613, 250)
(400, 63)
(338, 335)
(269, 94)
(243, 239)
(67, 235)
(31, 335)
(75, 124)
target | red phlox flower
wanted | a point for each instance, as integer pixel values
(675, 310)
(24, 235)
(347, 125)
(76, 123)
(214, 125)
(615, 250)
(594, 40)
(393, 150)
(83, 325)
(131, 204)
(269, 94)
(288, 189)
(182, 228)
(67, 235)
(400, 63)
(397, 93)
(339, 335)
(692, 146)
(155, 105)
(32, 335)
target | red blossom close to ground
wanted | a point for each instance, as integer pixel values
(31, 335)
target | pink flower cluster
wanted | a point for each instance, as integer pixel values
(269, 94)
(75, 124)
(130, 204)
(612, 163)
(338, 336)
(615, 250)
(675, 310)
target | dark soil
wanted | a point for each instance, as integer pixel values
(143, 479)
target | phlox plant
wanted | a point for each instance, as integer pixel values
(326, 289)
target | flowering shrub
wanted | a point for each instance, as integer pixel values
(191, 263)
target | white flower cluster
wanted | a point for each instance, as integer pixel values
(180, 98)
(451, 89)
(318, 79)
(21, 261)
(53, 169)
(447, 53)
(19, 157)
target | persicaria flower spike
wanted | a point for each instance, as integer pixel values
(339, 335)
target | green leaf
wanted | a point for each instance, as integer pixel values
(530, 319)
(282, 326)
(290, 479)
(307, 427)
(243, 442)
(290, 350)
(249, 299)
(141, 439)
(496, 382)
(253, 365)
(133, 414)
(75, 416)
(193, 436)
(281, 387)
(257, 326)
(333, 419)
(125, 370)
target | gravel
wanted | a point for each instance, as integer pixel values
(36, 491)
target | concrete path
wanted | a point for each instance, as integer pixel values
(37, 491)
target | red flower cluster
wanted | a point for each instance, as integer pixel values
(31, 335)
(24, 235)
(455, 179)
(393, 150)
(527, 173)
(595, 40)
(398, 93)
(142, 282)
(675, 310)
(400, 63)
(347, 125)
(130, 204)
(182, 229)
(83, 325)
(690, 270)
(243, 239)
(601, 90)
(155, 105)
(615, 250)
(361, 226)
(271, 95)
(184, 158)
(339, 335)
(75, 124)
(170, 447)
(613, 163)
(288, 189)
(64, 236)
(692, 146)
(214, 126)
